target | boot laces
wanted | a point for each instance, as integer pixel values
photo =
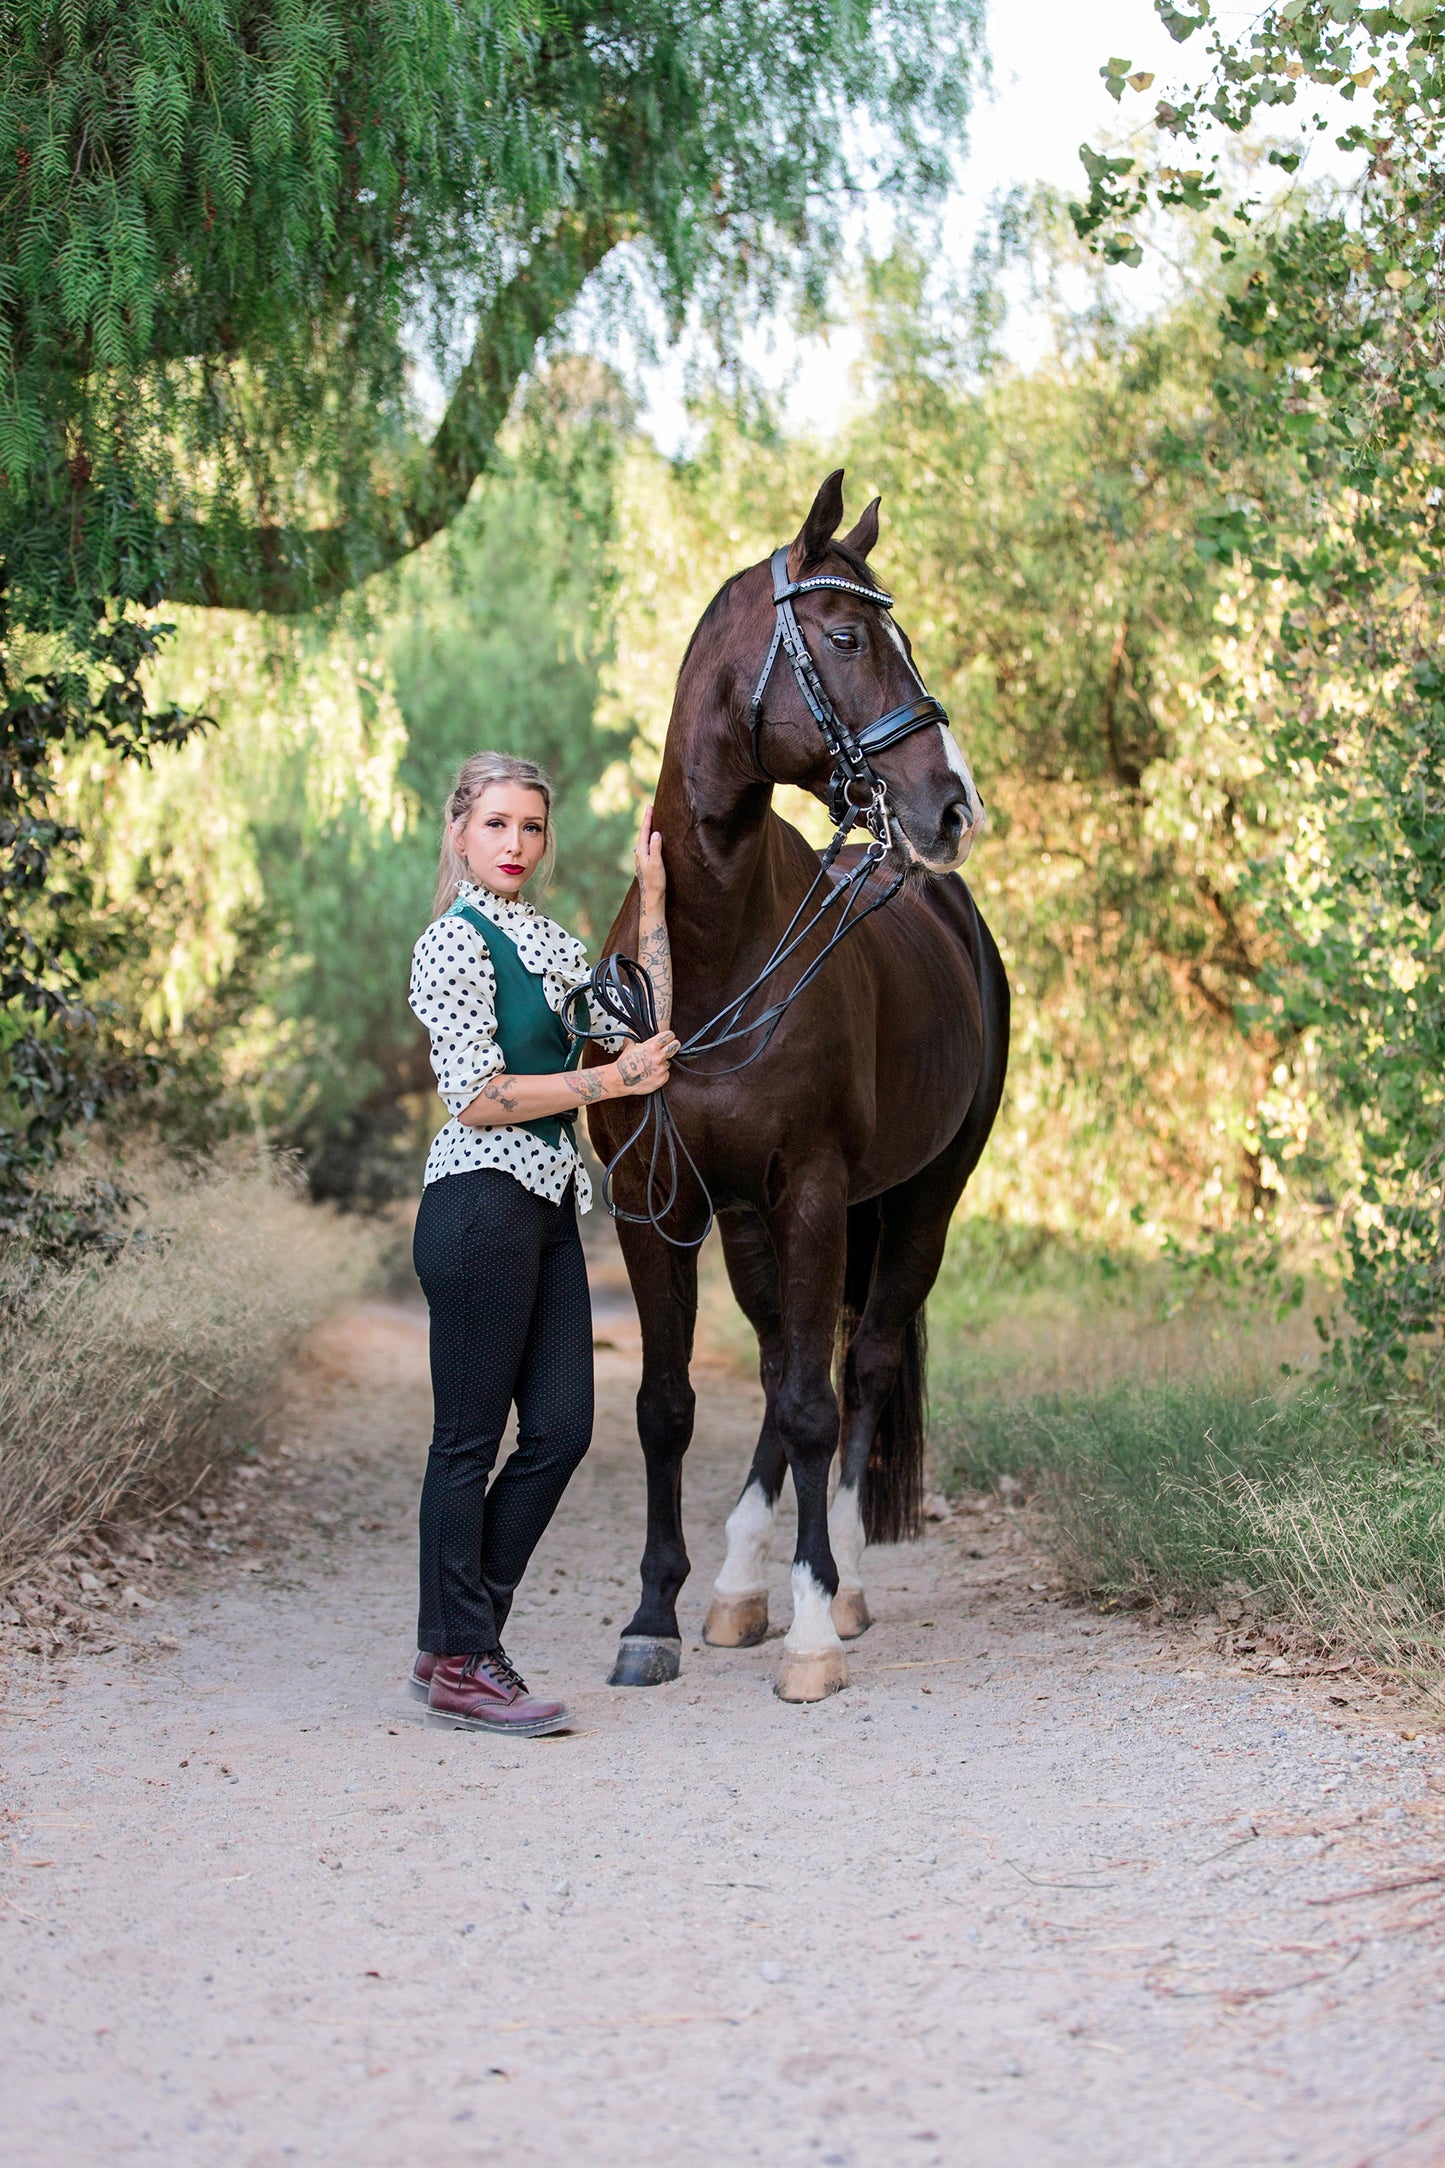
(507, 1670)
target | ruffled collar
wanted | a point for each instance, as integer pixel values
(497, 908)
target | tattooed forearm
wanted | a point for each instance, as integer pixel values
(586, 1085)
(656, 958)
(502, 1092)
(505, 1099)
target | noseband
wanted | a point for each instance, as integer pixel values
(855, 789)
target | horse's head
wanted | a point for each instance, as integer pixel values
(865, 663)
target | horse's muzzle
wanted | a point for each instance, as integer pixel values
(960, 825)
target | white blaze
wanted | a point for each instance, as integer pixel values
(953, 754)
(750, 1536)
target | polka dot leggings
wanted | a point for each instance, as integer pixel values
(511, 1323)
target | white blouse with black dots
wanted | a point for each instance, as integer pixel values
(454, 993)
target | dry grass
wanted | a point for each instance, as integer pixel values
(1175, 1465)
(122, 1382)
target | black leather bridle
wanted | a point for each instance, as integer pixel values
(856, 791)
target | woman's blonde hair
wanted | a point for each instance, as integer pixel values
(473, 777)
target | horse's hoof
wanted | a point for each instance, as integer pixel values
(736, 1622)
(851, 1615)
(811, 1674)
(645, 1660)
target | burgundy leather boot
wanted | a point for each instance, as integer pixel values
(484, 1693)
(419, 1683)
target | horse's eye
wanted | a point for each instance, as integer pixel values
(846, 638)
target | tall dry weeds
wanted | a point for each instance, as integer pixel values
(121, 1382)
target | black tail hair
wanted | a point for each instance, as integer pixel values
(893, 1479)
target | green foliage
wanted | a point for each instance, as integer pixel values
(52, 1075)
(1329, 482)
(1189, 1493)
(1357, 901)
(225, 228)
(223, 223)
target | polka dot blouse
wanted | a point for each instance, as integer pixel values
(454, 993)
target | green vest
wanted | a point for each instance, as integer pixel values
(532, 1036)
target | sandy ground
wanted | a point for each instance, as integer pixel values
(1038, 1889)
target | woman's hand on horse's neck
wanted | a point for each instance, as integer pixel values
(654, 950)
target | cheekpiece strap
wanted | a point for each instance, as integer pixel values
(851, 772)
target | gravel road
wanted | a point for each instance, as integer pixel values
(1041, 1889)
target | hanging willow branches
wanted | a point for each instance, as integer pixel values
(229, 232)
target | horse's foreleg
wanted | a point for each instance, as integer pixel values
(808, 1238)
(738, 1614)
(664, 1282)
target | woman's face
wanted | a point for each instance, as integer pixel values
(503, 837)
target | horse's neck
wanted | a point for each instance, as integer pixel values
(723, 870)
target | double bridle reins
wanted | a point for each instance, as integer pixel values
(857, 796)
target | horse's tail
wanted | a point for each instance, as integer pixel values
(893, 1479)
(892, 1499)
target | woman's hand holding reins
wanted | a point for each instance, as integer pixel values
(643, 1068)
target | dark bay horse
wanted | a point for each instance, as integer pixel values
(836, 1159)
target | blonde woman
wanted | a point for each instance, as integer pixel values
(497, 1247)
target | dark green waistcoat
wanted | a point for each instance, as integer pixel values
(532, 1036)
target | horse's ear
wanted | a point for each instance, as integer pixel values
(865, 534)
(820, 526)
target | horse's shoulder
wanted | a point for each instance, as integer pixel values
(941, 901)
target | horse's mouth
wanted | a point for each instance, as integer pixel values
(919, 865)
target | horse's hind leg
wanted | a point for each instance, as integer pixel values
(808, 1231)
(895, 1247)
(664, 1282)
(738, 1615)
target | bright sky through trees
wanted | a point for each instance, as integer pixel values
(1047, 98)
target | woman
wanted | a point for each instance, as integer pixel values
(497, 1247)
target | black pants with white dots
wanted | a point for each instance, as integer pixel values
(511, 1324)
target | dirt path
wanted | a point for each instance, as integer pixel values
(1031, 1892)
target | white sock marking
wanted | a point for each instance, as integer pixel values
(750, 1537)
(812, 1628)
(845, 1537)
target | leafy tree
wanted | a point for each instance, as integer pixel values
(1038, 530)
(224, 228)
(261, 889)
(1335, 370)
